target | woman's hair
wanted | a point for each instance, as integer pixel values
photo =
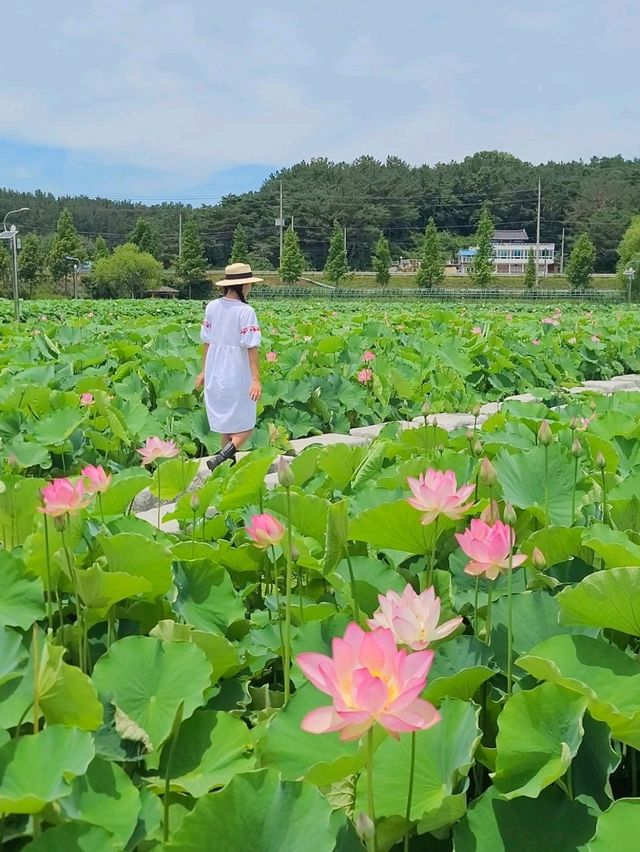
(237, 289)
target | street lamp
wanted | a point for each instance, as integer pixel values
(629, 274)
(76, 264)
(12, 234)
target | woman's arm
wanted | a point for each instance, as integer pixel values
(200, 376)
(256, 388)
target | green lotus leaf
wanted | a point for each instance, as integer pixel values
(372, 578)
(604, 599)
(104, 797)
(551, 822)
(125, 486)
(618, 827)
(461, 665)
(308, 512)
(594, 763)
(21, 593)
(557, 544)
(13, 656)
(139, 556)
(395, 525)
(616, 549)
(19, 503)
(283, 815)
(100, 589)
(528, 762)
(444, 755)
(246, 480)
(76, 836)
(56, 428)
(521, 476)
(149, 679)
(340, 462)
(206, 597)
(222, 655)
(174, 477)
(337, 534)
(605, 675)
(36, 768)
(27, 453)
(211, 748)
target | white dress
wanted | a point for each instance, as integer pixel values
(230, 328)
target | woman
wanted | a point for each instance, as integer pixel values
(230, 372)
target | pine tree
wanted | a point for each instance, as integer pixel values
(240, 247)
(431, 270)
(482, 268)
(381, 260)
(5, 264)
(66, 243)
(192, 266)
(30, 261)
(337, 266)
(292, 265)
(145, 237)
(530, 272)
(100, 248)
(581, 261)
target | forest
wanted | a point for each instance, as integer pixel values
(368, 197)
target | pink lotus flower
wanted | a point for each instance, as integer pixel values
(476, 330)
(437, 493)
(365, 376)
(271, 357)
(368, 356)
(508, 317)
(86, 399)
(62, 497)
(550, 321)
(99, 479)
(155, 448)
(595, 338)
(265, 531)
(412, 618)
(371, 681)
(535, 341)
(488, 547)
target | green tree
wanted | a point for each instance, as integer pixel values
(30, 261)
(336, 268)
(66, 243)
(240, 247)
(126, 272)
(292, 265)
(5, 264)
(381, 260)
(581, 262)
(530, 271)
(192, 266)
(431, 271)
(100, 248)
(482, 267)
(145, 237)
(629, 251)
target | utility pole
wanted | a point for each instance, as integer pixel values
(281, 225)
(344, 235)
(562, 253)
(180, 237)
(538, 234)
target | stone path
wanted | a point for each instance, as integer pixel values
(145, 505)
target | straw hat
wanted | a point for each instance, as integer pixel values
(238, 274)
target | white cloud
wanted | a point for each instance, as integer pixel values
(185, 89)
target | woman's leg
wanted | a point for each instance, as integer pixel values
(227, 452)
(239, 438)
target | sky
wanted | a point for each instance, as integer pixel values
(156, 100)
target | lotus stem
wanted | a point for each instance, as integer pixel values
(48, 564)
(488, 621)
(432, 561)
(370, 799)
(510, 624)
(167, 776)
(546, 483)
(573, 493)
(287, 604)
(79, 618)
(605, 507)
(36, 681)
(412, 769)
(278, 606)
(475, 605)
(352, 581)
(159, 493)
(100, 507)
(634, 772)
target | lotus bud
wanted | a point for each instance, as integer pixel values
(537, 559)
(365, 828)
(60, 522)
(601, 462)
(545, 435)
(426, 408)
(477, 448)
(295, 553)
(509, 514)
(488, 475)
(576, 448)
(194, 502)
(475, 411)
(285, 474)
(470, 435)
(573, 424)
(434, 423)
(593, 405)
(491, 514)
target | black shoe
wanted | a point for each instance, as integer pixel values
(225, 454)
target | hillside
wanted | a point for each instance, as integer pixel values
(368, 196)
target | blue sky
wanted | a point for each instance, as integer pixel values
(150, 99)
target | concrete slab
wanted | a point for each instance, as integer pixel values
(627, 377)
(522, 397)
(151, 516)
(301, 444)
(449, 422)
(490, 408)
(374, 429)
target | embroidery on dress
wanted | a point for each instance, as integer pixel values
(250, 328)
(206, 324)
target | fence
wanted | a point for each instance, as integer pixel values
(438, 295)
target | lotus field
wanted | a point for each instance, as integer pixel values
(426, 641)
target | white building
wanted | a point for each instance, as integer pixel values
(510, 254)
